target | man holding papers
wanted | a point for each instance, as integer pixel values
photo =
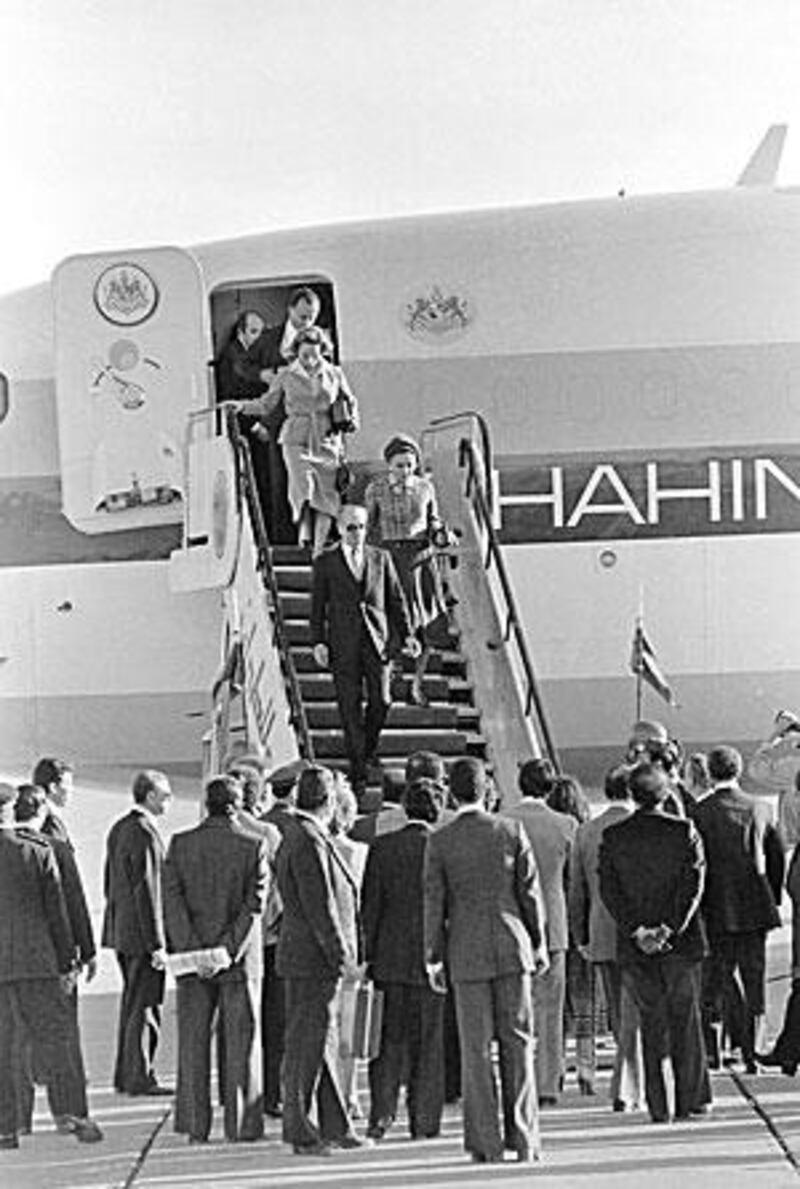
(215, 888)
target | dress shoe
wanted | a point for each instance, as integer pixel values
(274, 1110)
(197, 1139)
(528, 1156)
(696, 1112)
(659, 1118)
(152, 1091)
(351, 1142)
(585, 1087)
(85, 1130)
(486, 1158)
(377, 1131)
(772, 1059)
(7, 1142)
(318, 1148)
(548, 1100)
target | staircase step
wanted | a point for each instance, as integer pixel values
(443, 664)
(293, 578)
(329, 744)
(325, 716)
(318, 687)
(291, 555)
(295, 605)
(451, 664)
(298, 631)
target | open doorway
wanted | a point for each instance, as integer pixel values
(251, 335)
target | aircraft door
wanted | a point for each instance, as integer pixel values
(133, 346)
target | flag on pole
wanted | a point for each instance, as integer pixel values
(645, 665)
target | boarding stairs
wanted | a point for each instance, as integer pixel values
(483, 698)
(448, 725)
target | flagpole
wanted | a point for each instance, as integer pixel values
(640, 666)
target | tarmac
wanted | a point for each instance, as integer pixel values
(751, 1139)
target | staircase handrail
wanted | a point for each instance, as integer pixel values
(246, 474)
(479, 490)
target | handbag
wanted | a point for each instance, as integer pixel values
(361, 1020)
(344, 477)
(342, 413)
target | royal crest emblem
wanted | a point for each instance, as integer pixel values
(125, 294)
(439, 315)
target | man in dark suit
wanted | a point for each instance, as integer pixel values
(37, 977)
(357, 605)
(412, 1047)
(134, 928)
(216, 880)
(283, 782)
(30, 812)
(652, 873)
(318, 944)
(483, 920)
(745, 861)
(56, 778)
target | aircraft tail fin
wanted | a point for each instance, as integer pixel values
(762, 168)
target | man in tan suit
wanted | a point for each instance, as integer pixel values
(483, 921)
(551, 835)
(594, 931)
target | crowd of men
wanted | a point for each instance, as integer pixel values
(462, 916)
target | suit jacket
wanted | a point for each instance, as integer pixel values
(35, 935)
(260, 828)
(238, 370)
(652, 872)
(483, 912)
(74, 896)
(53, 826)
(215, 889)
(745, 862)
(551, 835)
(133, 921)
(590, 922)
(320, 930)
(394, 906)
(341, 606)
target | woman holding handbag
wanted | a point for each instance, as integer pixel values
(403, 517)
(320, 409)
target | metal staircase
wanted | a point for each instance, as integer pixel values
(448, 725)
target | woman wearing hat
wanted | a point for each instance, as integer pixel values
(404, 518)
(312, 443)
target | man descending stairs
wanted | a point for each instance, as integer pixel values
(448, 725)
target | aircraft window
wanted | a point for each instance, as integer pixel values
(3, 396)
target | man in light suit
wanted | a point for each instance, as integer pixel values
(594, 931)
(133, 927)
(652, 872)
(483, 922)
(551, 835)
(216, 879)
(319, 942)
(357, 605)
(745, 861)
